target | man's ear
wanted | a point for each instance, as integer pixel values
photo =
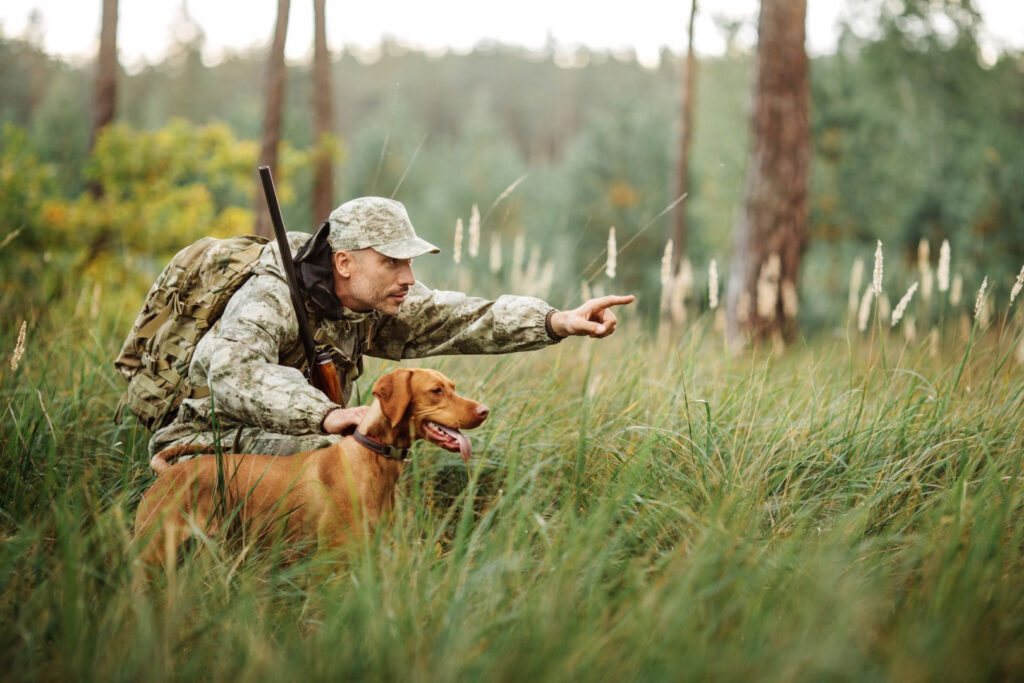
(342, 263)
(394, 391)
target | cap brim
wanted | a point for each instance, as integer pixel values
(407, 248)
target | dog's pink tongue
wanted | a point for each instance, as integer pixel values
(464, 447)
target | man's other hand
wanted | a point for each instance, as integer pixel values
(344, 420)
(593, 318)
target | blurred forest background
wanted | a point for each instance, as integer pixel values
(914, 136)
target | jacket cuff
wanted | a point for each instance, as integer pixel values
(555, 338)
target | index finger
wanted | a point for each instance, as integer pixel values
(610, 300)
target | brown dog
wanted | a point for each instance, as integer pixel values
(324, 495)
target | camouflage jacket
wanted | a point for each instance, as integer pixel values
(252, 358)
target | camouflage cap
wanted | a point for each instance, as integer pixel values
(378, 223)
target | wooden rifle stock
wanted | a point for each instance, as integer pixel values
(323, 374)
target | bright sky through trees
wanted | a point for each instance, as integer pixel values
(146, 27)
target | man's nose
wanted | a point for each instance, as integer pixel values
(405, 276)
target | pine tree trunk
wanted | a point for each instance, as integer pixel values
(106, 79)
(272, 118)
(680, 231)
(772, 231)
(323, 171)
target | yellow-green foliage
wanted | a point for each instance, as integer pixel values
(163, 189)
(159, 190)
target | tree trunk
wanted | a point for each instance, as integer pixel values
(772, 231)
(272, 118)
(680, 231)
(106, 79)
(323, 171)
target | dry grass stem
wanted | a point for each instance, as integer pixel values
(956, 291)
(10, 237)
(901, 307)
(884, 307)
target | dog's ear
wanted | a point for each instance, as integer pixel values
(394, 391)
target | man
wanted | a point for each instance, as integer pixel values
(356, 274)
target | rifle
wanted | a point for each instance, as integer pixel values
(322, 374)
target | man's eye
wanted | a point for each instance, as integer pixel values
(392, 262)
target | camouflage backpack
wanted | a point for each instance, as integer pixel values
(185, 301)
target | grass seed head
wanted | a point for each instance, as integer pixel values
(682, 287)
(790, 300)
(19, 346)
(495, 254)
(666, 266)
(666, 275)
(924, 266)
(609, 266)
(856, 280)
(901, 307)
(474, 232)
(876, 280)
(1018, 285)
(865, 309)
(943, 274)
(768, 287)
(979, 303)
(457, 247)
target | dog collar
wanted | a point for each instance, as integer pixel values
(389, 452)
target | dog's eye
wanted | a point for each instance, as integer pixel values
(436, 390)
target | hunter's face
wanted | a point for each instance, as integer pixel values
(376, 282)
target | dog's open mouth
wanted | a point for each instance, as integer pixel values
(447, 438)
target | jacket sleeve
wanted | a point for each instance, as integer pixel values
(241, 363)
(435, 322)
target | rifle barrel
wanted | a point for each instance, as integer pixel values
(305, 333)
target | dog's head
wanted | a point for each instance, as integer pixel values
(426, 402)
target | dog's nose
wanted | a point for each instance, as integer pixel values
(482, 411)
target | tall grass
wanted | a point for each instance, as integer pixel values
(633, 510)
